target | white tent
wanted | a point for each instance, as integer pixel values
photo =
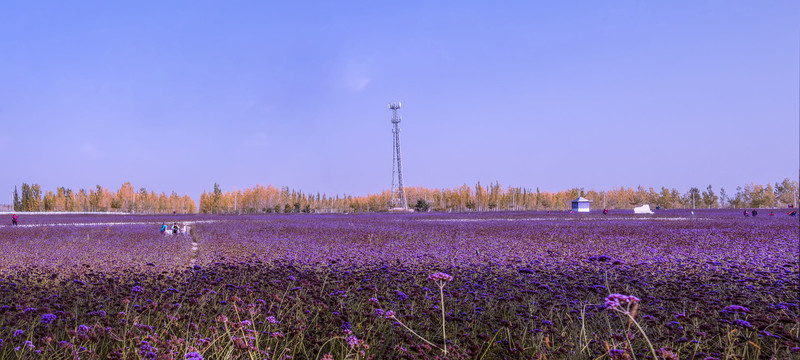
(580, 204)
(644, 209)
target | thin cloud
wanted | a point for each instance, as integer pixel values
(90, 150)
(356, 76)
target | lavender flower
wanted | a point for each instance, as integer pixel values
(614, 301)
(48, 318)
(440, 277)
(736, 308)
(194, 356)
(353, 341)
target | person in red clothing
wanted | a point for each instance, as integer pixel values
(14, 219)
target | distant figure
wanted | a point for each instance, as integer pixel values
(745, 213)
(175, 229)
(14, 219)
(163, 228)
(754, 212)
(571, 212)
(790, 206)
(605, 211)
(792, 213)
(771, 213)
(658, 207)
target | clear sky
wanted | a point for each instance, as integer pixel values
(549, 94)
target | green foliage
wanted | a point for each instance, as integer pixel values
(17, 202)
(422, 206)
(216, 199)
(709, 197)
(471, 205)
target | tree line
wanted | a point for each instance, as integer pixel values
(30, 197)
(494, 197)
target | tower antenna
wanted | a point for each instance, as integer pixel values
(398, 200)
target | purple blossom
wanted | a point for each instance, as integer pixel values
(194, 356)
(614, 301)
(736, 308)
(353, 341)
(48, 318)
(440, 277)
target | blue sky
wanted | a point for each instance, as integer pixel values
(182, 94)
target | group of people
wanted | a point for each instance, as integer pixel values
(175, 229)
(754, 212)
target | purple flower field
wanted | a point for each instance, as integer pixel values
(513, 285)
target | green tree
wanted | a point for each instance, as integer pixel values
(17, 202)
(422, 206)
(692, 198)
(709, 197)
(786, 191)
(664, 198)
(738, 199)
(36, 197)
(49, 202)
(470, 205)
(25, 202)
(216, 199)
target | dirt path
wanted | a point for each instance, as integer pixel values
(195, 247)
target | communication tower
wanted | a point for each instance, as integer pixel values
(398, 200)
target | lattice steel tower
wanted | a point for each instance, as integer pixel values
(398, 200)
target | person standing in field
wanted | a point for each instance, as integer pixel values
(163, 228)
(14, 219)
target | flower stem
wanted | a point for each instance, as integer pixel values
(441, 298)
(415, 333)
(643, 334)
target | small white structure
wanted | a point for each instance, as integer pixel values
(644, 209)
(580, 204)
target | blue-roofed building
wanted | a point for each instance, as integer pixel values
(580, 204)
